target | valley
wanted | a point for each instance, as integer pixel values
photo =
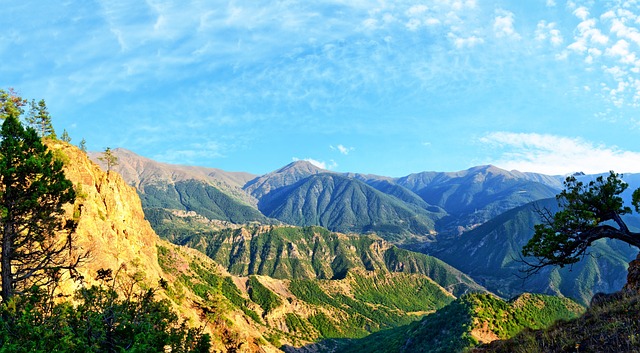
(315, 260)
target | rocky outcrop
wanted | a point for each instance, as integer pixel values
(633, 276)
(111, 225)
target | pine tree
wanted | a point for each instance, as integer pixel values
(65, 136)
(33, 191)
(83, 145)
(109, 159)
(40, 119)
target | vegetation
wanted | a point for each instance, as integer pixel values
(312, 252)
(469, 319)
(199, 197)
(65, 136)
(589, 212)
(40, 120)
(344, 204)
(108, 158)
(262, 295)
(83, 145)
(610, 326)
(33, 192)
(100, 320)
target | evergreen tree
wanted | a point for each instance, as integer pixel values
(83, 145)
(65, 136)
(11, 103)
(110, 159)
(40, 119)
(33, 191)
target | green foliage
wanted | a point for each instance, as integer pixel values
(407, 293)
(262, 295)
(611, 326)
(298, 325)
(108, 158)
(99, 321)
(40, 119)
(33, 193)
(450, 328)
(191, 195)
(347, 205)
(65, 136)
(368, 311)
(217, 291)
(564, 237)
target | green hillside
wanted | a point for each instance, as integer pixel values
(476, 195)
(200, 197)
(466, 322)
(490, 254)
(302, 311)
(612, 326)
(316, 253)
(347, 205)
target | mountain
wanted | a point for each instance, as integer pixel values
(201, 198)
(285, 176)
(251, 313)
(416, 205)
(140, 172)
(286, 252)
(347, 205)
(165, 189)
(474, 196)
(112, 228)
(490, 254)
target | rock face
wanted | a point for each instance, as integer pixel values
(633, 276)
(113, 229)
(111, 224)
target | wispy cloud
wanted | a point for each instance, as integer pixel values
(342, 149)
(551, 154)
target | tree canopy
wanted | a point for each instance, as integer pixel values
(588, 212)
(33, 192)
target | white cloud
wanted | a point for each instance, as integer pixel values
(342, 149)
(551, 154)
(503, 24)
(468, 42)
(548, 31)
(417, 10)
(551, 3)
(581, 13)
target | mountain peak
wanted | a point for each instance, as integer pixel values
(301, 166)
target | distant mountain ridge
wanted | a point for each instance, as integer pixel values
(411, 208)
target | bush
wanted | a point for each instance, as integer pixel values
(101, 321)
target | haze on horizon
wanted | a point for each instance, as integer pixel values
(379, 87)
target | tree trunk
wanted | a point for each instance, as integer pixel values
(5, 266)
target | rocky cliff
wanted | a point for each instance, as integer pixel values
(113, 230)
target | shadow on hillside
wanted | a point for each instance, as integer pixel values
(330, 345)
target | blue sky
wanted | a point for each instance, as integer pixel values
(382, 87)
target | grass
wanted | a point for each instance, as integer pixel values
(454, 327)
(613, 326)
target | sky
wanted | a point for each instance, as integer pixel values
(380, 87)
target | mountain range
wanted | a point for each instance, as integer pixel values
(265, 286)
(476, 220)
(406, 209)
